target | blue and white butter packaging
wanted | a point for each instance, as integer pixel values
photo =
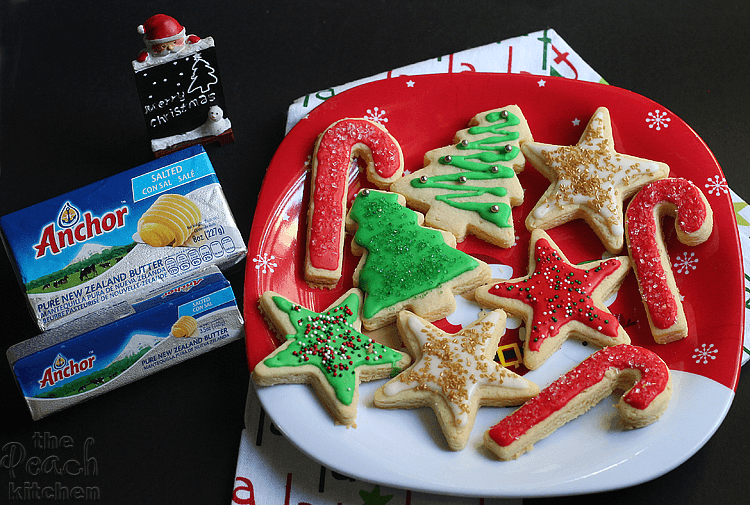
(89, 248)
(126, 341)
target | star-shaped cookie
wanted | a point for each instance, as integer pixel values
(589, 180)
(454, 374)
(325, 349)
(558, 299)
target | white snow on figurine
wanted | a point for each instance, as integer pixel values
(215, 125)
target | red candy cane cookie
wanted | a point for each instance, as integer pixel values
(640, 371)
(693, 223)
(336, 147)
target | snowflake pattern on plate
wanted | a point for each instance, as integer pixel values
(704, 353)
(685, 263)
(658, 120)
(265, 262)
(717, 185)
(377, 115)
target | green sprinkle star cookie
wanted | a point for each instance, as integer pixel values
(325, 349)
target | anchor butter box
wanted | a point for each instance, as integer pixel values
(163, 325)
(105, 242)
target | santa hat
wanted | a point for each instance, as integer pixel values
(161, 28)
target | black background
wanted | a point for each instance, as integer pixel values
(70, 115)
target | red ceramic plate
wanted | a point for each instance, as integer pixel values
(424, 113)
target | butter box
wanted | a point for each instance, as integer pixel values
(105, 242)
(163, 325)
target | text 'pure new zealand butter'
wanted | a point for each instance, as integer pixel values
(105, 242)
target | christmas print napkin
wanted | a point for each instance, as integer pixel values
(540, 53)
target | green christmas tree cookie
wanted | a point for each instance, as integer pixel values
(405, 265)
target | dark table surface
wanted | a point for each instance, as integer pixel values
(70, 115)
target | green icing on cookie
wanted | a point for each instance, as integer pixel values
(481, 166)
(328, 341)
(404, 259)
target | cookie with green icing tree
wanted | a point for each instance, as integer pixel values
(472, 186)
(326, 350)
(405, 265)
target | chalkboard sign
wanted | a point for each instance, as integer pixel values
(176, 95)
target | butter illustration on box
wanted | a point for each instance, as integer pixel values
(171, 220)
(185, 326)
(104, 242)
(125, 342)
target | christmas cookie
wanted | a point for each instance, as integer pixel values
(558, 300)
(336, 147)
(171, 220)
(589, 180)
(405, 265)
(640, 372)
(325, 349)
(454, 374)
(471, 187)
(683, 200)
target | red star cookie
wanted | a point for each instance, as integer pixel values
(558, 300)
(589, 180)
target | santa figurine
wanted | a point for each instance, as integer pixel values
(163, 36)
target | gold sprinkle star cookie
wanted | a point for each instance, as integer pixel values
(589, 180)
(325, 349)
(454, 374)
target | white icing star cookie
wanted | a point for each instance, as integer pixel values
(454, 374)
(589, 180)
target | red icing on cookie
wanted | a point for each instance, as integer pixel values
(654, 377)
(560, 293)
(334, 154)
(644, 239)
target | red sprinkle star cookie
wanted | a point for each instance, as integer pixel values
(327, 350)
(454, 374)
(589, 180)
(558, 299)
